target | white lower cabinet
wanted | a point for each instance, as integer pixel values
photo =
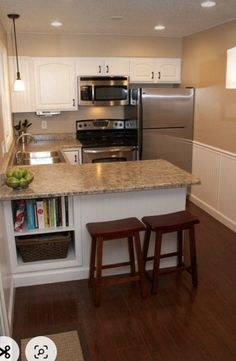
(73, 155)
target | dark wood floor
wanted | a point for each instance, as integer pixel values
(178, 324)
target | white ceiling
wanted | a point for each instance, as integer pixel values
(181, 17)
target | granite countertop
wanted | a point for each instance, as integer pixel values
(68, 179)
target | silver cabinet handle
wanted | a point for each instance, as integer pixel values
(107, 66)
(73, 102)
(159, 75)
(152, 74)
(99, 69)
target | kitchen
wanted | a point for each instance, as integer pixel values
(203, 67)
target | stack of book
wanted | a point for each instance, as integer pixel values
(47, 212)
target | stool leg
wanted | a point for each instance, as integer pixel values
(156, 265)
(92, 261)
(180, 248)
(193, 256)
(98, 282)
(140, 264)
(131, 255)
(146, 244)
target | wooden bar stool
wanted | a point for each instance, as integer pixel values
(103, 231)
(173, 222)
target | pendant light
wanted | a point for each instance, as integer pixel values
(18, 84)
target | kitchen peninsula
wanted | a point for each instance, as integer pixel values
(97, 192)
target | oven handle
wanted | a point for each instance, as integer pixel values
(105, 150)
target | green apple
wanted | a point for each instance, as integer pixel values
(9, 173)
(13, 182)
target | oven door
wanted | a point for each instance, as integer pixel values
(109, 154)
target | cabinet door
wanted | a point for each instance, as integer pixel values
(74, 156)
(142, 70)
(168, 70)
(55, 85)
(116, 66)
(22, 102)
(89, 66)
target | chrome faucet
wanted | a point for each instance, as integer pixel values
(22, 136)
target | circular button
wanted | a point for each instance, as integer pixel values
(41, 348)
(9, 350)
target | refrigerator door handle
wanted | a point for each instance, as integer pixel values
(140, 124)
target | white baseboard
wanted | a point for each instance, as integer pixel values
(214, 213)
(50, 276)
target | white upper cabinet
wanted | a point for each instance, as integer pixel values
(168, 70)
(22, 102)
(155, 70)
(55, 83)
(142, 70)
(102, 66)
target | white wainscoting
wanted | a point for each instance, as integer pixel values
(217, 193)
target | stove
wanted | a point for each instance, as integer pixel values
(107, 140)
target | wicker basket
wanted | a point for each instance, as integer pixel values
(43, 247)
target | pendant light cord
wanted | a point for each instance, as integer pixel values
(17, 64)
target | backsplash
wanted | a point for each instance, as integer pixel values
(65, 122)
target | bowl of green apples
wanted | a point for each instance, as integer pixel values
(19, 178)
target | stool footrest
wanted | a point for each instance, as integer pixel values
(114, 265)
(165, 255)
(167, 270)
(111, 280)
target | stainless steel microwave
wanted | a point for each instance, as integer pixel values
(103, 90)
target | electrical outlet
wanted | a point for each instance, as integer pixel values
(44, 124)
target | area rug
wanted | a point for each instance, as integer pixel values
(68, 346)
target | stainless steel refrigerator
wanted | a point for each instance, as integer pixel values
(165, 118)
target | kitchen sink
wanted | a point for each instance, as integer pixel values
(36, 158)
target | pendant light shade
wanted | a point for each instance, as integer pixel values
(231, 69)
(18, 84)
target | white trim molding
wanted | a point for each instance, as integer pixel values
(217, 193)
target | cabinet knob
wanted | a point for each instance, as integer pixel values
(107, 71)
(152, 74)
(159, 75)
(99, 69)
(73, 100)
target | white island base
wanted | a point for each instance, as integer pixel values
(94, 208)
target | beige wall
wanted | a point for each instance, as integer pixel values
(204, 67)
(85, 45)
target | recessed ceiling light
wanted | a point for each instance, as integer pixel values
(159, 27)
(56, 23)
(208, 4)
